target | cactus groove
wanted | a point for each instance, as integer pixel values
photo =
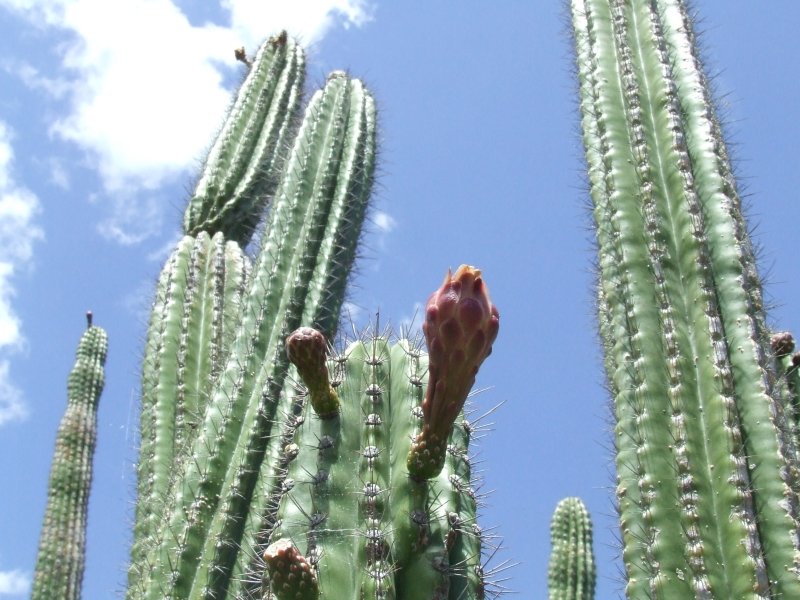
(707, 478)
(62, 544)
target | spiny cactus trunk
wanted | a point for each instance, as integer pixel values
(214, 368)
(572, 573)
(364, 505)
(347, 504)
(707, 479)
(62, 545)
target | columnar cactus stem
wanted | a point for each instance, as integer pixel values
(571, 575)
(707, 480)
(348, 505)
(62, 545)
(243, 165)
(461, 323)
(197, 305)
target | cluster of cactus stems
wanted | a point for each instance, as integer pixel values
(572, 572)
(273, 466)
(270, 467)
(706, 465)
(62, 544)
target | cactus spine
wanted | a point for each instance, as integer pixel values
(214, 368)
(571, 575)
(707, 479)
(62, 545)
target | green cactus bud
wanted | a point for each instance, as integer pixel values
(62, 544)
(461, 324)
(307, 350)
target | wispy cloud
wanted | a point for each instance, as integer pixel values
(14, 583)
(383, 221)
(144, 110)
(19, 232)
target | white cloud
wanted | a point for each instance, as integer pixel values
(309, 20)
(18, 232)
(14, 583)
(383, 221)
(12, 405)
(146, 89)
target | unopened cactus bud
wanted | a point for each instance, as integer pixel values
(291, 575)
(461, 323)
(782, 343)
(307, 349)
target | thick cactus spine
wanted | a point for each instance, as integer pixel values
(571, 574)
(62, 544)
(707, 482)
(243, 166)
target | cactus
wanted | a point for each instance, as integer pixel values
(62, 545)
(348, 502)
(223, 427)
(707, 472)
(571, 575)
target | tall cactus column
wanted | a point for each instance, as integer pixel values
(62, 545)
(707, 484)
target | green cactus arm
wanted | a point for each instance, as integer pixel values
(675, 277)
(320, 509)
(243, 165)
(62, 544)
(197, 302)
(572, 572)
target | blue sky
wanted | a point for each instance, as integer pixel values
(106, 108)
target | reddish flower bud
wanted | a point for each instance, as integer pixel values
(307, 350)
(290, 574)
(461, 324)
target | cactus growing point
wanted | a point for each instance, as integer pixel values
(461, 324)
